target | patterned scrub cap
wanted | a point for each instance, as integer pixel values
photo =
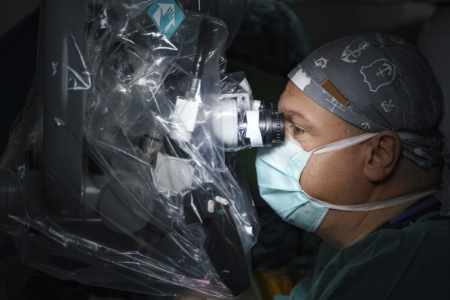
(378, 82)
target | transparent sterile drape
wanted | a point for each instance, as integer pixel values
(114, 174)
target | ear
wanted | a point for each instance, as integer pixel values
(383, 153)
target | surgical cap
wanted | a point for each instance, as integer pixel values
(378, 82)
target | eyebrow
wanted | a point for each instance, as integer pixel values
(296, 113)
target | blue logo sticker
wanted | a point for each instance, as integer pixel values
(166, 15)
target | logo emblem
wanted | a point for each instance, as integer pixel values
(321, 62)
(166, 15)
(365, 126)
(349, 53)
(380, 72)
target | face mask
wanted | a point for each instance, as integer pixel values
(279, 170)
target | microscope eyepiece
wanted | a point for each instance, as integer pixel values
(271, 125)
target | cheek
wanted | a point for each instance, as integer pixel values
(327, 176)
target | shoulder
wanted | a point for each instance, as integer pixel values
(424, 241)
(389, 264)
(416, 235)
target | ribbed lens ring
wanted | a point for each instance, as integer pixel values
(271, 125)
(278, 129)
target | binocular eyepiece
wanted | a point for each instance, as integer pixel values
(271, 125)
(244, 124)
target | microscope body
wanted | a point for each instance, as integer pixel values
(117, 173)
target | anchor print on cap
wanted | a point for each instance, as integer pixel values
(348, 53)
(321, 62)
(397, 40)
(387, 106)
(365, 126)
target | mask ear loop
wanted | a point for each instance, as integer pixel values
(377, 205)
(355, 140)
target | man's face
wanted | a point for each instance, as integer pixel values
(327, 176)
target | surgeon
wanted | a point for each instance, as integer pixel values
(363, 168)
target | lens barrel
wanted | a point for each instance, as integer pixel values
(271, 125)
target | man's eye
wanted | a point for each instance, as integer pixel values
(296, 130)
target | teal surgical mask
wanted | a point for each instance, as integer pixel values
(279, 170)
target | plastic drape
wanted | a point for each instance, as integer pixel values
(113, 175)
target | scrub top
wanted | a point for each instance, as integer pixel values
(407, 258)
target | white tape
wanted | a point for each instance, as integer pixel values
(301, 80)
(184, 117)
(256, 105)
(246, 86)
(253, 132)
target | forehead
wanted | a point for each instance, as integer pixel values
(296, 105)
(293, 100)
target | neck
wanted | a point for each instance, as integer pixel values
(358, 225)
(343, 228)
